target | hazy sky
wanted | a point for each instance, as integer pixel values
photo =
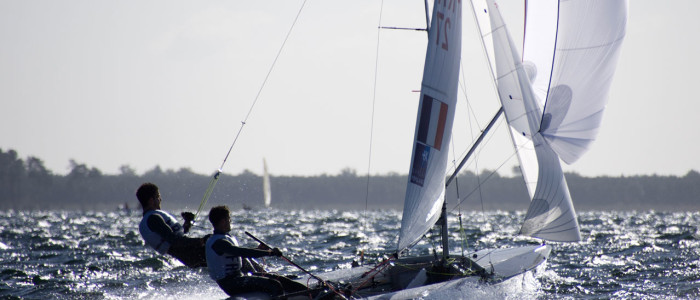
(146, 83)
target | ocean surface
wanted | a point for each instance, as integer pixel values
(100, 255)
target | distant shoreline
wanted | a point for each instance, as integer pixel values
(27, 185)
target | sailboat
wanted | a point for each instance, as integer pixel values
(267, 193)
(552, 96)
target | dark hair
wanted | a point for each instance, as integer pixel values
(146, 191)
(217, 213)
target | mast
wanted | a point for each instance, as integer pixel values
(427, 17)
(443, 232)
(443, 212)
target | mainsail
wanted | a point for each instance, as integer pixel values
(426, 183)
(554, 99)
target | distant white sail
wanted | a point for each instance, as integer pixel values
(426, 183)
(267, 193)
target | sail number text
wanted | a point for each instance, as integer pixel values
(444, 24)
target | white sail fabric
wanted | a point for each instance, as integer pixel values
(267, 193)
(573, 46)
(426, 183)
(509, 87)
(551, 214)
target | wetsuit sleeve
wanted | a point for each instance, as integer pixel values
(223, 246)
(157, 224)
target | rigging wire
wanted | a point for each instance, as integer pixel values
(478, 187)
(491, 72)
(371, 127)
(471, 117)
(494, 84)
(454, 163)
(484, 143)
(470, 109)
(218, 172)
(464, 243)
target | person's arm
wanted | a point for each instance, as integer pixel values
(156, 224)
(223, 246)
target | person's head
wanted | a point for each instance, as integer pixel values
(148, 196)
(220, 218)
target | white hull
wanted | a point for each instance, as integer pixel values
(409, 281)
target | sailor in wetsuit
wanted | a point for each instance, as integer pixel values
(224, 259)
(162, 232)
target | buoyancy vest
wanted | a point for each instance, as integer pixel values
(155, 240)
(223, 265)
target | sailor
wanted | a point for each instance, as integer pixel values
(162, 232)
(225, 262)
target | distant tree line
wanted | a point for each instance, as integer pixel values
(28, 185)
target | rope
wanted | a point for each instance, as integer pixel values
(449, 261)
(371, 130)
(216, 176)
(462, 234)
(330, 286)
(384, 264)
(454, 165)
(480, 183)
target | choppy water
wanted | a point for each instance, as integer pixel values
(96, 255)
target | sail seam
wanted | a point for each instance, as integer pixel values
(551, 71)
(617, 41)
(506, 74)
(494, 30)
(550, 228)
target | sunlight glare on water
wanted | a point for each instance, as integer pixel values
(100, 255)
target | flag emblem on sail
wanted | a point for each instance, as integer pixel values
(420, 164)
(432, 122)
(431, 130)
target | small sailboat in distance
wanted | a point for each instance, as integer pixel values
(267, 193)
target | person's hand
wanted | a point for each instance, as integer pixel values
(188, 216)
(276, 252)
(189, 220)
(263, 247)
